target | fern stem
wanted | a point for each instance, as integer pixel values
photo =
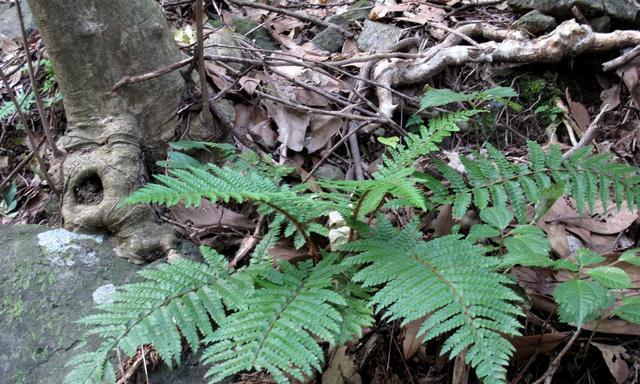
(313, 248)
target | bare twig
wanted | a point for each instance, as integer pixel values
(297, 15)
(588, 135)
(127, 80)
(548, 375)
(207, 118)
(45, 124)
(621, 60)
(30, 135)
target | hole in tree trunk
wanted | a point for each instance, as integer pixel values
(89, 191)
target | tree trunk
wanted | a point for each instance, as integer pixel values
(93, 44)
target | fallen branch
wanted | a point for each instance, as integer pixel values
(588, 135)
(569, 39)
(621, 60)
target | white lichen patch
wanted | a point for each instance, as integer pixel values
(63, 248)
(104, 294)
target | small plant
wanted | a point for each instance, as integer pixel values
(9, 201)
(280, 319)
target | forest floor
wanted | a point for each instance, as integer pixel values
(558, 102)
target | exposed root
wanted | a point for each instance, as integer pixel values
(569, 39)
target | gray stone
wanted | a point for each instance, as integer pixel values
(601, 24)
(624, 10)
(9, 22)
(330, 39)
(224, 42)
(329, 172)
(359, 10)
(50, 279)
(377, 36)
(535, 22)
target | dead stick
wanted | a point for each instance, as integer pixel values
(548, 375)
(45, 124)
(621, 60)
(30, 135)
(297, 15)
(588, 135)
(207, 118)
(127, 80)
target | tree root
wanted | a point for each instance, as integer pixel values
(569, 39)
(97, 178)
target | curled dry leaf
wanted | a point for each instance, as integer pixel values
(252, 119)
(612, 355)
(527, 346)
(342, 369)
(209, 215)
(611, 97)
(578, 114)
(412, 342)
(613, 221)
(321, 129)
(630, 75)
(292, 124)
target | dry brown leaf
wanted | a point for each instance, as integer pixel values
(381, 11)
(630, 76)
(614, 327)
(342, 369)
(527, 346)
(292, 125)
(252, 119)
(289, 254)
(610, 97)
(578, 114)
(612, 355)
(8, 45)
(209, 215)
(4, 162)
(412, 343)
(321, 129)
(606, 223)
(423, 14)
(557, 235)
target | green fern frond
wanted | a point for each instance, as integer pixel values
(172, 301)
(277, 330)
(449, 278)
(493, 179)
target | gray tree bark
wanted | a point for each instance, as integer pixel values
(93, 44)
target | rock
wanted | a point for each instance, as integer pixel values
(220, 42)
(329, 172)
(359, 10)
(50, 279)
(377, 36)
(330, 39)
(623, 10)
(9, 22)
(601, 24)
(254, 32)
(535, 22)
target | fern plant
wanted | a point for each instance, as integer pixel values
(280, 319)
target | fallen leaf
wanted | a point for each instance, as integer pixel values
(321, 129)
(4, 162)
(610, 97)
(614, 326)
(630, 76)
(527, 346)
(412, 343)
(612, 221)
(342, 369)
(209, 215)
(252, 119)
(578, 114)
(289, 254)
(612, 355)
(292, 124)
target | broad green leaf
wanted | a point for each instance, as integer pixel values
(629, 310)
(391, 141)
(581, 300)
(482, 231)
(527, 245)
(566, 264)
(610, 277)
(630, 257)
(498, 92)
(497, 217)
(439, 97)
(586, 257)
